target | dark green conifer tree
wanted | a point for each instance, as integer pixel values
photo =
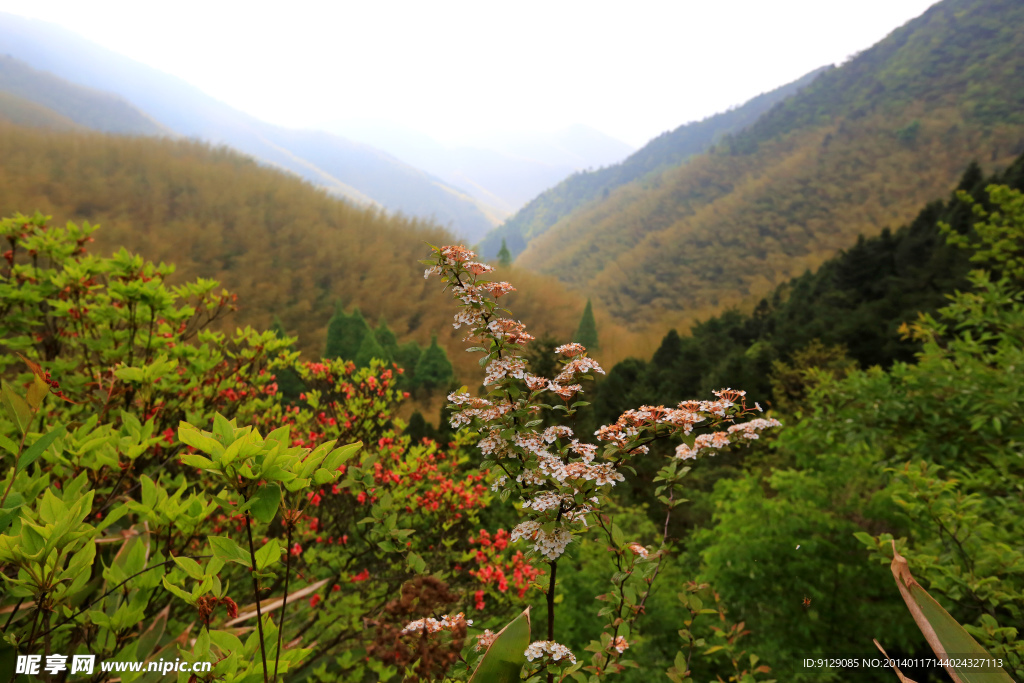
(504, 255)
(407, 358)
(369, 349)
(586, 333)
(288, 382)
(345, 334)
(387, 340)
(335, 331)
(433, 369)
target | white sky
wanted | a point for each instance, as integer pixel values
(631, 68)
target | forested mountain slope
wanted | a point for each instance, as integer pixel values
(358, 172)
(286, 248)
(669, 149)
(858, 150)
(22, 112)
(87, 107)
(846, 314)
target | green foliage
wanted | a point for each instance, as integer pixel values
(925, 454)
(433, 369)
(130, 495)
(586, 333)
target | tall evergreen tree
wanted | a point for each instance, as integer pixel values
(586, 333)
(288, 381)
(369, 349)
(407, 358)
(504, 255)
(335, 331)
(387, 340)
(433, 369)
(345, 334)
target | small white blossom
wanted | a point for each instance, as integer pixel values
(549, 648)
(432, 625)
(484, 640)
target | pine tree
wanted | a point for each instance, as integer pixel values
(369, 349)
(586, 333)
(407, 358)
(433, 369)
(345, 334)
(288, 381)
(504, 255)
(387, 340)
(335, 331)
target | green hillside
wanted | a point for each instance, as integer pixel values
(668, 149)
(287, 248)
(87, 107)
(856, 151)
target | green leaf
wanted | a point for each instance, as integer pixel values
(190, 566)
(7, 516)
(265, 503)
(38, 448)
(8, 445)
(416, 563)
(229, 551)
(17, 409)
(505, 657)
(618, 538)
(944, 634)
(268, 554)
(191, 436)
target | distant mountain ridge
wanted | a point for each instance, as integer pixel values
(857, 150)
(502, 170)
(668, 149)
(357, 172)
(87, 107)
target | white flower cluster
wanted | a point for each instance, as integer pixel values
(702, 442)
(620, 644)
(478, 268)
(549, 500)
(550, 648)
(750, 429)
(484, 640)
(511, 331)
(509, 366)
(475, 407)
(571, 350)
(432, 625)
(577, 366)
(550, 545)
(470, 317)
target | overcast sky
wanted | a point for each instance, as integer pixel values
(459, 69)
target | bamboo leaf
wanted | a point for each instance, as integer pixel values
(944, 634)
(505, 657)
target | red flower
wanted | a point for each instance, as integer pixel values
(314, 600)
(361, 576)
